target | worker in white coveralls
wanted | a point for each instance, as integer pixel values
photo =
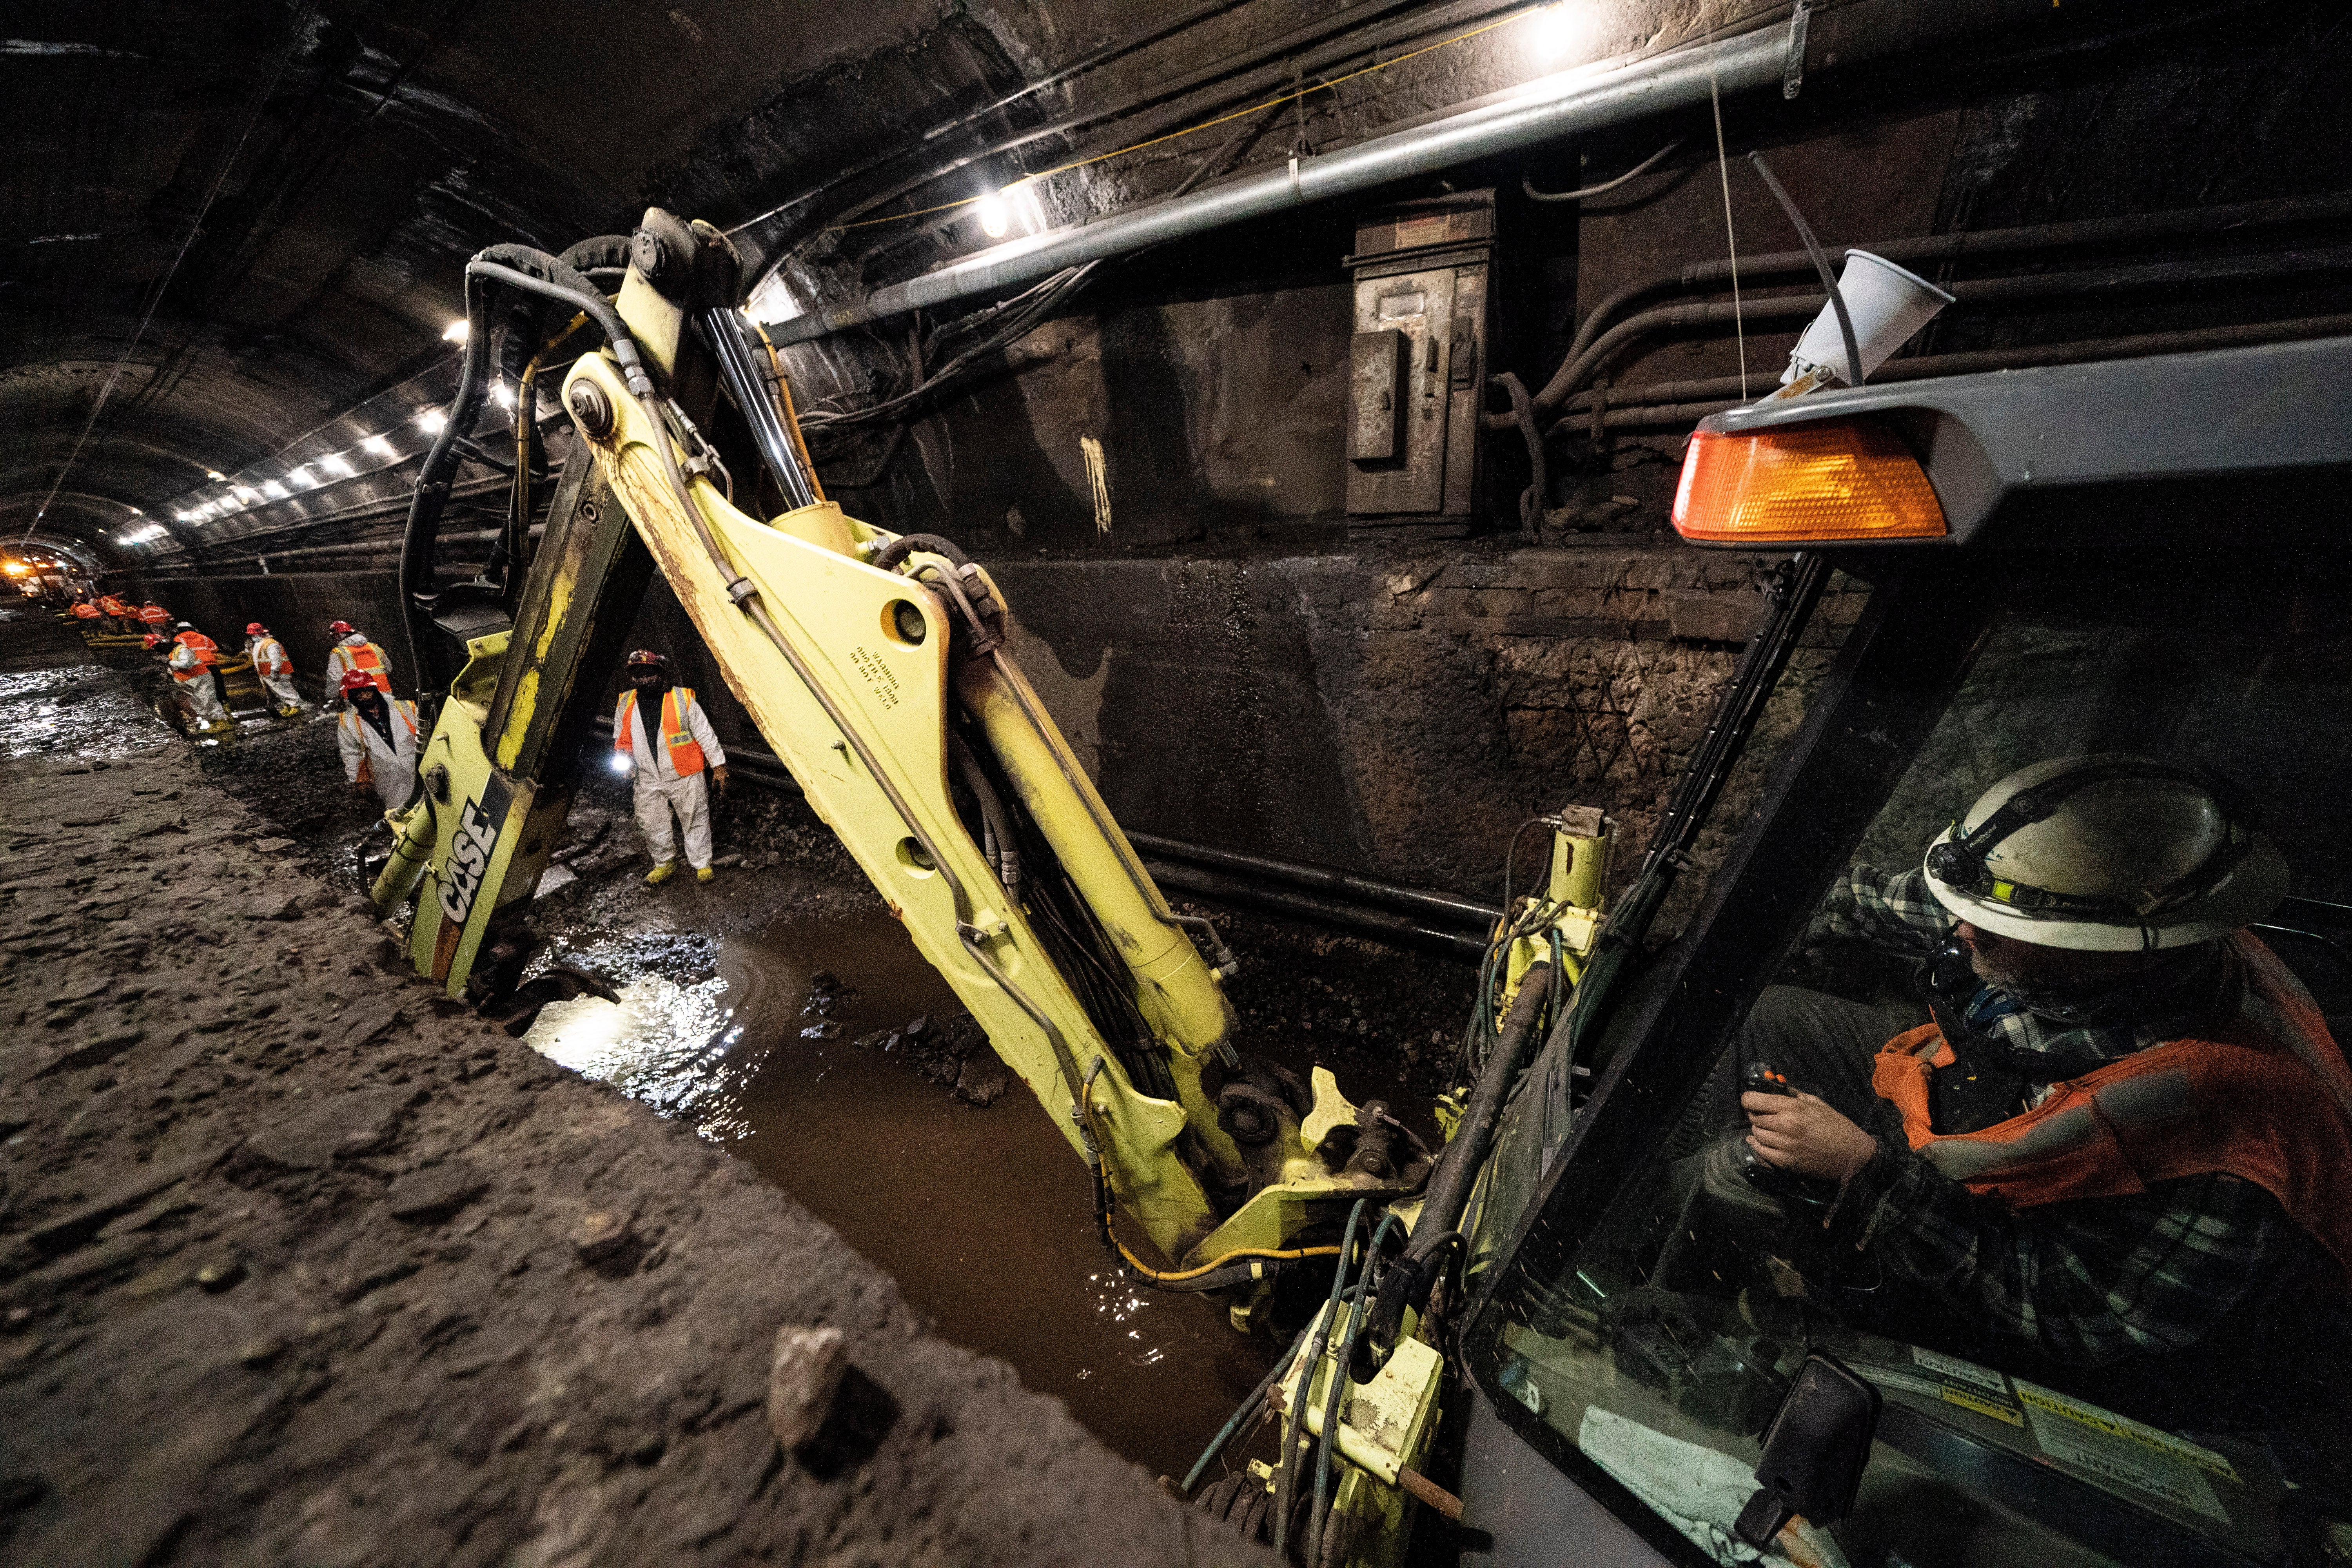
(199, 696)
(273, 669)
(353, 651)
(661, 735)
(377, 735)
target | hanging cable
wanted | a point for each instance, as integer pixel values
(1643, 167)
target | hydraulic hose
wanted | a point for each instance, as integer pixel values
(1408, 1282)
(1286, 1486)
(1242, 1414)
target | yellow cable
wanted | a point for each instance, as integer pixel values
(791, 415)
(1205, 124)
(1086, 1109)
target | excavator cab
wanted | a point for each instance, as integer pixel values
(1679, 1357)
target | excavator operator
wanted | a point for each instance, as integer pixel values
(2119, 1155)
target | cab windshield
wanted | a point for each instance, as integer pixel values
(2128, 1352)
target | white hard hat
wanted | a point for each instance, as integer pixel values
(2107, 853)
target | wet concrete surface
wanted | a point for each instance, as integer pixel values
(301, 1264)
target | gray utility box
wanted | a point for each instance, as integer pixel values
(1417, 362)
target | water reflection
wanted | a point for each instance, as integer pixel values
(982, 1216)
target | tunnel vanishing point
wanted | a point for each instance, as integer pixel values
(1372, 785)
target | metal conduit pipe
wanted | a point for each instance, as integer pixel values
(1562, 105)
(1324, 878)
(1572, 376)
(1568, 103)
(1681, 402)
(1403, 930)
(2192, 223)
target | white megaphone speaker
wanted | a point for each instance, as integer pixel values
(1887, 305)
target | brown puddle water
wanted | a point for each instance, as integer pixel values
(981, 1216)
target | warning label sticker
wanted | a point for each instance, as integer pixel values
(1957, 1370)
(1966, 1396)
(2120, 1449)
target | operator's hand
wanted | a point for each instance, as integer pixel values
(718, 777)
(1803, 1133)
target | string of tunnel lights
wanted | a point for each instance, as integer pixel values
(370, 454)
(1553, 26)
(1020, 205)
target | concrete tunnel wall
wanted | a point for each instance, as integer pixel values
(1397, 710)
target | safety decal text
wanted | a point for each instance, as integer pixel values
(2119, 1449)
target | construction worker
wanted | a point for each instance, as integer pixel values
(377, 736)
(86, 612)
(155, 617)
(203, 646)
(125, 618)
(668, 765)
(2121, 1150)
(199, 696)
(353, 651)
(273, 670)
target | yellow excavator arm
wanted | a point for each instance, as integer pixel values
(877, 670)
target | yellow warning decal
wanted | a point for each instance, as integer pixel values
(1968, 1399)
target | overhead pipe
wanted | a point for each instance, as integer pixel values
(1568, 103)
(1323, 878)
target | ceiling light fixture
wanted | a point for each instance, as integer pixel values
(379, 446)
(431, 421)
(335, 463)
(274, 490)
(455, 331)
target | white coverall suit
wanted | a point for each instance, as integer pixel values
(370, 758)
(355, 652)
(275, 670)
(196, 687)
(660, 787)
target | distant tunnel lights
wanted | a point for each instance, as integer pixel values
(379, 446)
(1853, 480)
(455, 332)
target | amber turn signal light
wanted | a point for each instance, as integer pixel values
(1853, 480)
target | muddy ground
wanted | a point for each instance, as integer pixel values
(299, 1264)
(347, 1335)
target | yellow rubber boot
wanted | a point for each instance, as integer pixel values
(705, 874)
(661, 873)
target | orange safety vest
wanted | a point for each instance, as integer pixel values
(269, 657)
(203, 646)
(115, 607)
(369, 657)
(156, 616)
(2266, 1097)
(685, 751)
(85, 610)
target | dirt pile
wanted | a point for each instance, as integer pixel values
(298, 1263)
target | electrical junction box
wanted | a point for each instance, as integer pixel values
(1417, 362)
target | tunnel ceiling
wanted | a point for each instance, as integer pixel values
(229, 221)
(344, 160)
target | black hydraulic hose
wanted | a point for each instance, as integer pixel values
(1242, 1414)
(722, 330)
(1002, 849)
(1396, 928)
(886, 559)
(1285, 1484)
(529, 271)
(1323, 878)
(1407, 1284)
(1853, 376)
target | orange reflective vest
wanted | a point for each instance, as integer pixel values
(156, 616)
(203, 646)
(85, 610)
(116, 607)
(369, 657)
(2266, 1096)
(685, 751)
(269, 657)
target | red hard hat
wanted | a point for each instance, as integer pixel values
(153, 640)
(358, 681)
(254, 629)
(341, 628)
(647, 655)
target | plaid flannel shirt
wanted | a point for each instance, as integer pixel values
(2086, 1282)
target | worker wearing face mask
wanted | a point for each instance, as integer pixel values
(353, 651)
(193, 674)
(273, 670)
(661, 735)
(377, 737)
